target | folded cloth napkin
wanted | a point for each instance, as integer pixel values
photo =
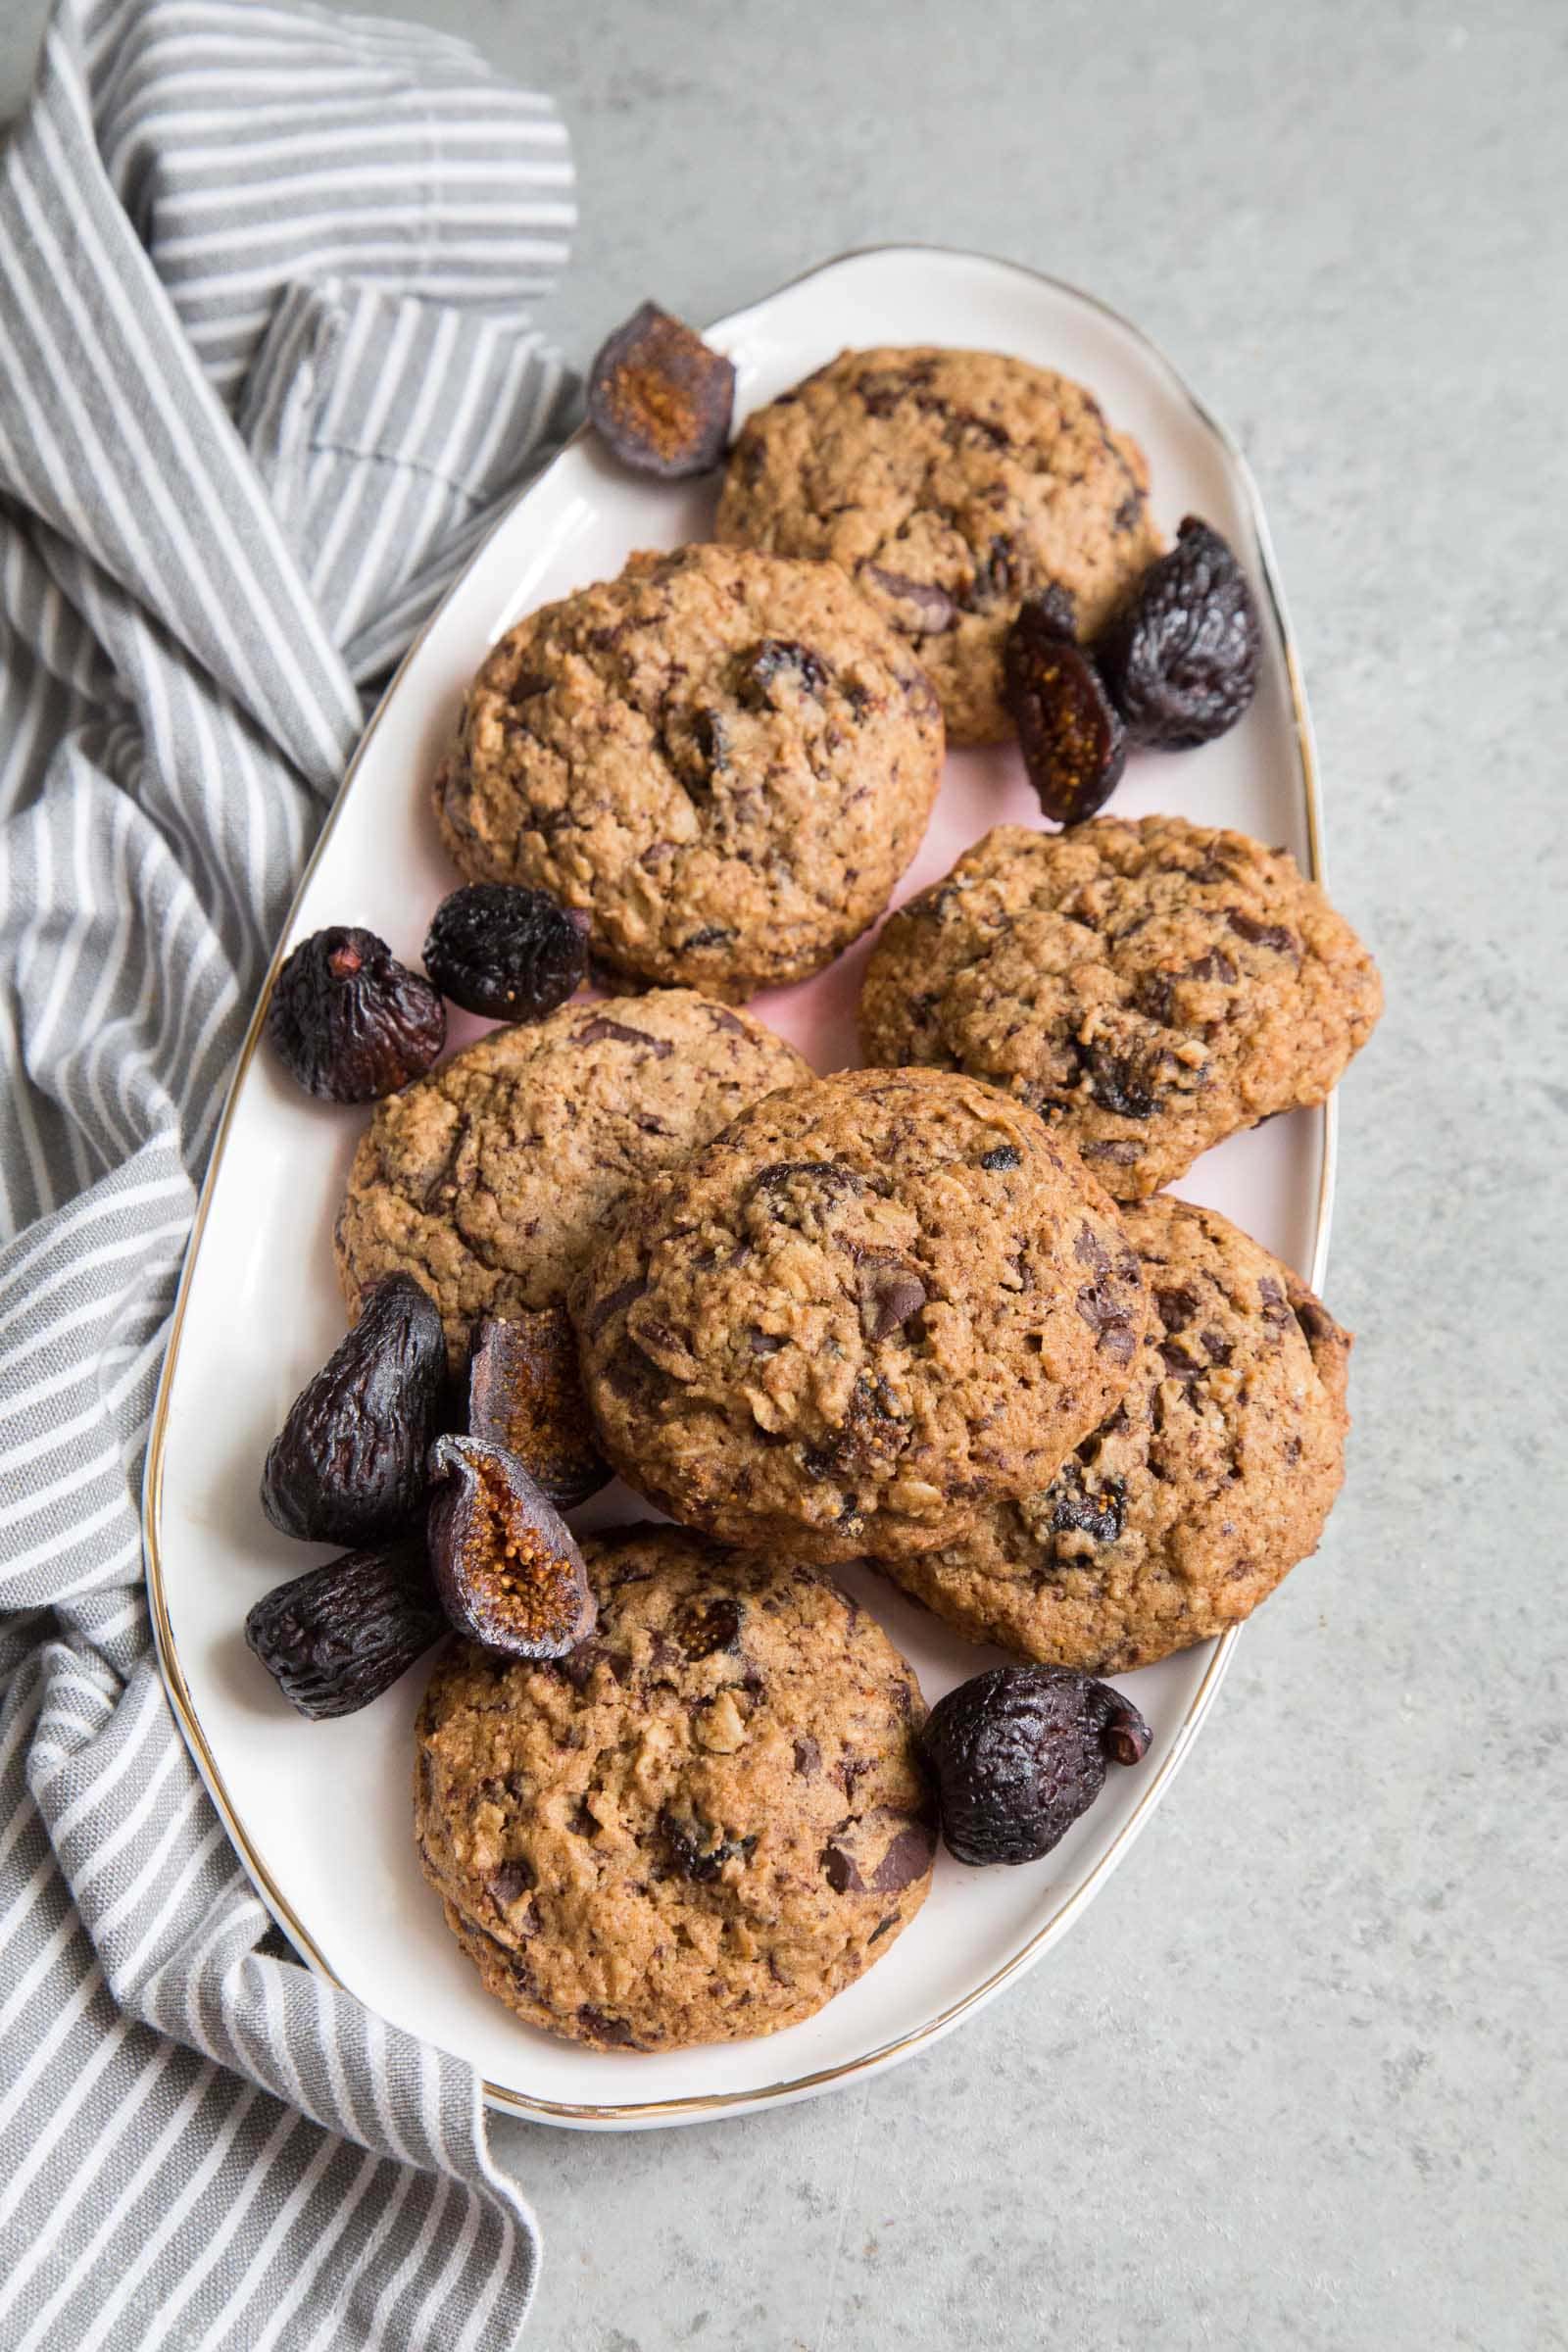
(266, 377)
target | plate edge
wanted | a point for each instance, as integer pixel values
(634, 2114)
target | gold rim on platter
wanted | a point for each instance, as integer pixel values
(642, 2111)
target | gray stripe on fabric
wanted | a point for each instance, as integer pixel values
(415, 165)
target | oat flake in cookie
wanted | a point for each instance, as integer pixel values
(725, 759)
(1150, 988)
(869, 1305)
(951, 484)
(489, 1181)
(699, 1826)
(1210, 1480)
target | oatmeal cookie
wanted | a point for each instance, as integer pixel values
(701, 1825)
(725, 759)
(489, 1180)
(872, 1303)
(951, 484)
(1150, 988)
(1210, 1480)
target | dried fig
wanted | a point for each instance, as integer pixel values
(508, 952)
(1072, 740)
(509, 1573)
(349, 1463)
(525, 1395)
(350, 1022)
(1181, 660)
(337, 1636)
(1020, 1753)
(659, 398)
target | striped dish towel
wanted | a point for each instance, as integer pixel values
(266, 374)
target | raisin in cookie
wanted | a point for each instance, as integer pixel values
(869, 1305)
(1210, 1480)
(1150, 987)
(701, 1825)
(725, 759)
(951, 484)
(489, 1180)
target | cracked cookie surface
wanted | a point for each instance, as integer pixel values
(870, 1305)
(1212, 1478)
(489, 1180)
(725, 759)
(701, 1825)
(1150, 988)
(950, 484)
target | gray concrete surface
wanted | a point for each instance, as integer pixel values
(1299, 2079)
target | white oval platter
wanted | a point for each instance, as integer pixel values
(320, 1812)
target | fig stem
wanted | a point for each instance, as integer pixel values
(1128, 1737)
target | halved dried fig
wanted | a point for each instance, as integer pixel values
(350, 1022)
(350, 1464)
(1073, 742)
(1020, 1753)
(525, 1395)
(659, 398)
(337, 1636)
(509, 1573)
